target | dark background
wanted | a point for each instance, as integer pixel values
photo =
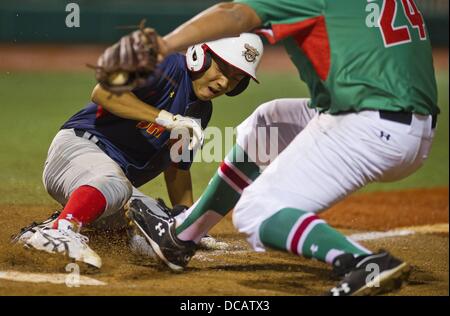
(25, 21)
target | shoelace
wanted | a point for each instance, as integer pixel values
(43, 223)
(71, 234)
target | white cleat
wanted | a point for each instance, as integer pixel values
(64, 241)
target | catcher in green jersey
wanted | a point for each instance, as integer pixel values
(371, 117)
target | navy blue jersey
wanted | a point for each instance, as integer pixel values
(141, 148)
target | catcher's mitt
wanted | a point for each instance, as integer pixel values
(128, 63)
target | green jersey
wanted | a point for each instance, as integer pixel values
(355, 54)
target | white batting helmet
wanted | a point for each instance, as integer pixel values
(243, 52)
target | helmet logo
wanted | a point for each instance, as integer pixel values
(250, 53)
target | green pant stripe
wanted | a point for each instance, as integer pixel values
(274, 231)
(318, 238)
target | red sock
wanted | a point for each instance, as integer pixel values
(84, 206)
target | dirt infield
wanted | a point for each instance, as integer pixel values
(239, 271)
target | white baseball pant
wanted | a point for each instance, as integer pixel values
(73, 161)
(324, 158)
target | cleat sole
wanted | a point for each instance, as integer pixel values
(388, 281)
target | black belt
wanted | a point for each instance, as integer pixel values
(86, 135)
(403, 117)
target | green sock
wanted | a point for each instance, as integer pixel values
(223, 191)
(303, 233)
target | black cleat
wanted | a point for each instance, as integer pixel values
(369, 275)
(344, 263)
(161, 235)
(171, 212)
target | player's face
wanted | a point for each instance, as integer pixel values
(219, 79)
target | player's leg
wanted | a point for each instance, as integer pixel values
(304, 179)
(223, 191)
(274, 124)
(89, 184)
(311, 174)
(332, 157)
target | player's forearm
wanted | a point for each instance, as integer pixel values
(126, 105)
(179, 186)
(222, 20)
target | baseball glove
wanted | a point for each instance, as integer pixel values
(128, 63)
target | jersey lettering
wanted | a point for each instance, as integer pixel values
(151, 128)
(392, 35)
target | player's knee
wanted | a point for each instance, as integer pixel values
(124, 190)
(263, 116)
(117, 191)
(247, 130)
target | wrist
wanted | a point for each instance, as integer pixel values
(164, 118)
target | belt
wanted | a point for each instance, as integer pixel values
(86, 135)
(403, 117)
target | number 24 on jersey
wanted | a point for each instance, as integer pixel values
(400, 34)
